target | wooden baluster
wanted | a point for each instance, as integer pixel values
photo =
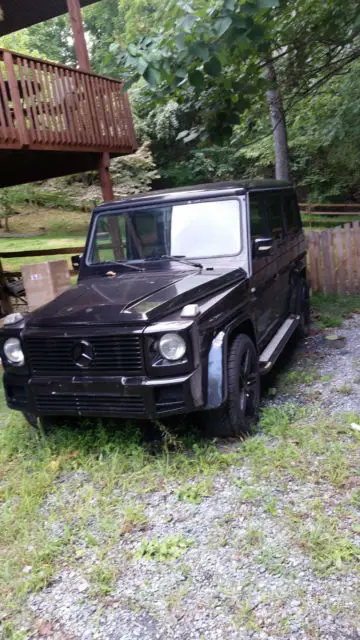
(15, 98)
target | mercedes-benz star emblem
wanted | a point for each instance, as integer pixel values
(83, 354)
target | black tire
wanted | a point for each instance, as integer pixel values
(240, 412)
(303, 310)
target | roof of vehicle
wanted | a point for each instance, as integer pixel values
(199, 191)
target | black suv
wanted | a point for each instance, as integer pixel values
(184, 298)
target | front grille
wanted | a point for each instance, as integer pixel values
(112, 355)
(86, 405)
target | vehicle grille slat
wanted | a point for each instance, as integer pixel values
(116, 355)
(88, 405)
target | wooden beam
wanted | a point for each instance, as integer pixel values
(104, 175)
(79, 34)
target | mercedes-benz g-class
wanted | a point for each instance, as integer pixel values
(184, 298)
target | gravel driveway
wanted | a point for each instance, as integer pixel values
(258, 540)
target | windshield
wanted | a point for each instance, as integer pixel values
(197, 230)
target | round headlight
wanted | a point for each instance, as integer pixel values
(13, 351)
(172, 346)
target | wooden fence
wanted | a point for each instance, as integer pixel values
(314, 212)
(334, 259)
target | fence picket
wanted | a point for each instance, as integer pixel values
(340, 260)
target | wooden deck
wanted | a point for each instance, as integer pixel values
(54, 108)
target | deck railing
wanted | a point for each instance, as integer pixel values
(47, 106)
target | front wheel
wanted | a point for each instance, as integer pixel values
(241, 409)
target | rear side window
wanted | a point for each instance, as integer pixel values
(274, 210)
(257, 216)
(291, 213)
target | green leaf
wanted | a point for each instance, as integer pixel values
(129, 84)
(196, 79)
(222, 25)
(180, 41)
(187, 22)
(132, 49)
(114, 47)
(141, 66)
(200, 50)
(152, 76)
(229, 5)
(213, 67)
(181, 73)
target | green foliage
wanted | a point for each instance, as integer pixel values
(134, 173)
(53, 40)
(327, 546)
(163, 550)
(195, 492)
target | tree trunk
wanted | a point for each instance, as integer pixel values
(7, 228)
(278, 123)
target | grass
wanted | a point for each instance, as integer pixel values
(51, 228)
(331, 310)
(327, 546)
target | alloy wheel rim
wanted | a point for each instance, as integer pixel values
(247, 384)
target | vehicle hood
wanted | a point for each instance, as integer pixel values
(136, 297)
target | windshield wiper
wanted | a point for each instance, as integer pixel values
(123, 264)
(181, 259)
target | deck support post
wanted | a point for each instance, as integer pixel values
(79, 34)
(84, 64)
(104, 175)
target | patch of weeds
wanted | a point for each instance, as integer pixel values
(195, 492)
(253, 537)
(327, 546)
(291, 379)
(272, 559)
(277, 421)
(325, 378)
(355, 498)
(245, 616)
(346, 389)
(133, 518)
(163, 550)
(174, 600)
(334, 467)
(249, 494)
(9, 632)
(102, 579)
(270, 506)
(331, 310)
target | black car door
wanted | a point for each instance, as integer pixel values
(264, 281)
(276, 224)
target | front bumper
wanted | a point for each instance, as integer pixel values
(106, 397)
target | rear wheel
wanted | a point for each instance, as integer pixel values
(303, 310)
(241, 409)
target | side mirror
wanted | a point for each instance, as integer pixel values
(262, 247)
(75, 261)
